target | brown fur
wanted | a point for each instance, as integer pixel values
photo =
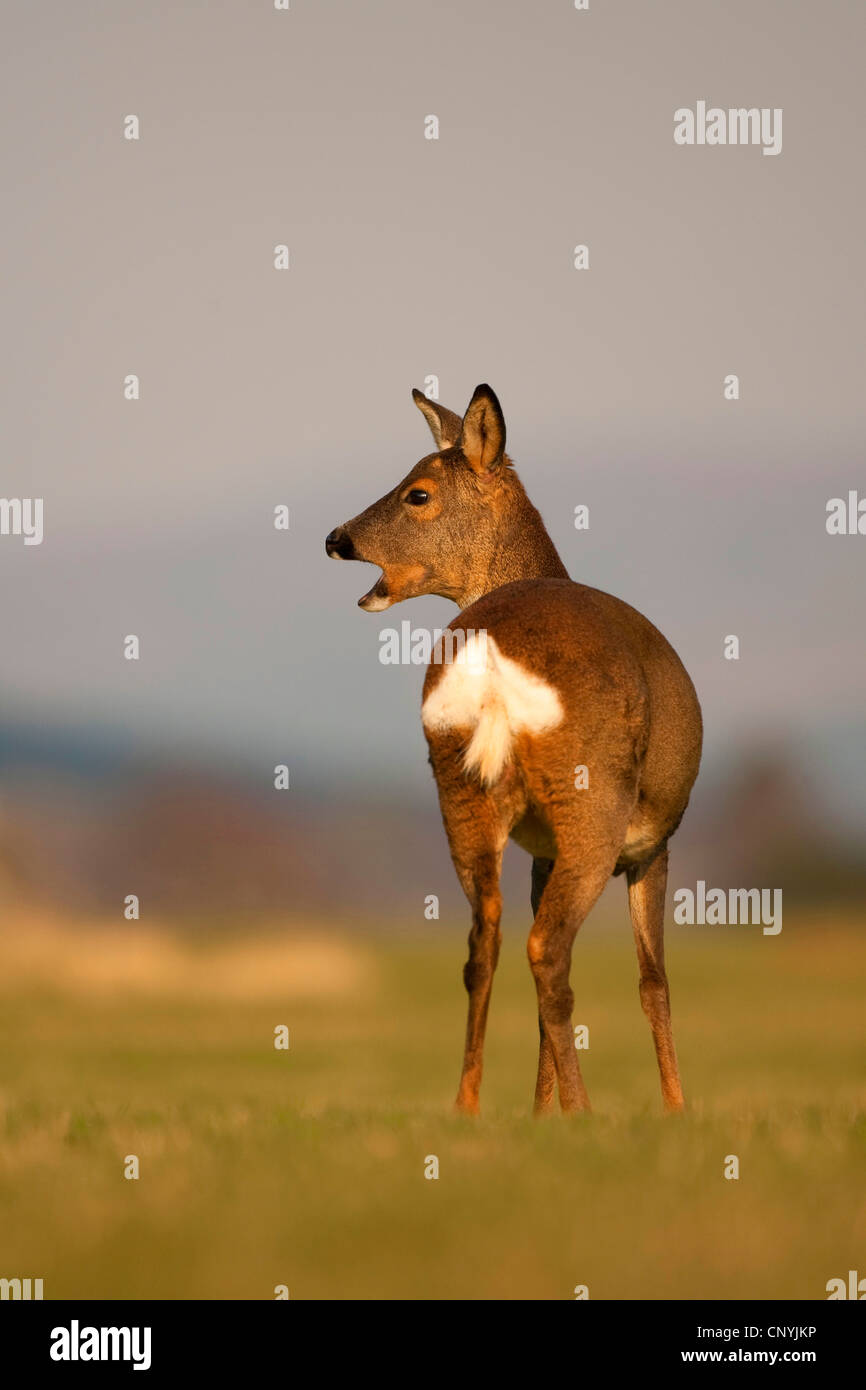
(631, 717)
(479, 530)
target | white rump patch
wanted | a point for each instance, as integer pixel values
(496, 698)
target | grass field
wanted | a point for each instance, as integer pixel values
(305, 1167)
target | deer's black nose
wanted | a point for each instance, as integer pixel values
(339, 544)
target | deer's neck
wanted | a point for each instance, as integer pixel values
(518, 548)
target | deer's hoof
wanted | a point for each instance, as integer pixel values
(467, 1106)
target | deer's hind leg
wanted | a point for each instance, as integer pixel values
(646, 900)
(588, 838)
(570, 893)
(545, 1085)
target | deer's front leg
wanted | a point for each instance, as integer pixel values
(484, 942)
(476, 823)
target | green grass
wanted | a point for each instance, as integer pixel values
(306, 1167)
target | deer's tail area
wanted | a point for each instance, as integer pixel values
(494, 698)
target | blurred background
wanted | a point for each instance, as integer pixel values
(409, 258)
(412, 257)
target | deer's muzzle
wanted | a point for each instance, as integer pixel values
(339, 544)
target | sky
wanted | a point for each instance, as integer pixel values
(409, 258)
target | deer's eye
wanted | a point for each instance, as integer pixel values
(417, 497)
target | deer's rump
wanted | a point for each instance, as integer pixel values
(573, 706)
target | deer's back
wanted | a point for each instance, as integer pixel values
(552, 672)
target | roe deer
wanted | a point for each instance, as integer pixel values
(552, 676)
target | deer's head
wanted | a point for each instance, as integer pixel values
(435, 532)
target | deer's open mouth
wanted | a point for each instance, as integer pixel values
(377, 598)
(395, 583)
(340, 546)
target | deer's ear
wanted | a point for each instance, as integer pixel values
(445, 426)
(483, 436)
